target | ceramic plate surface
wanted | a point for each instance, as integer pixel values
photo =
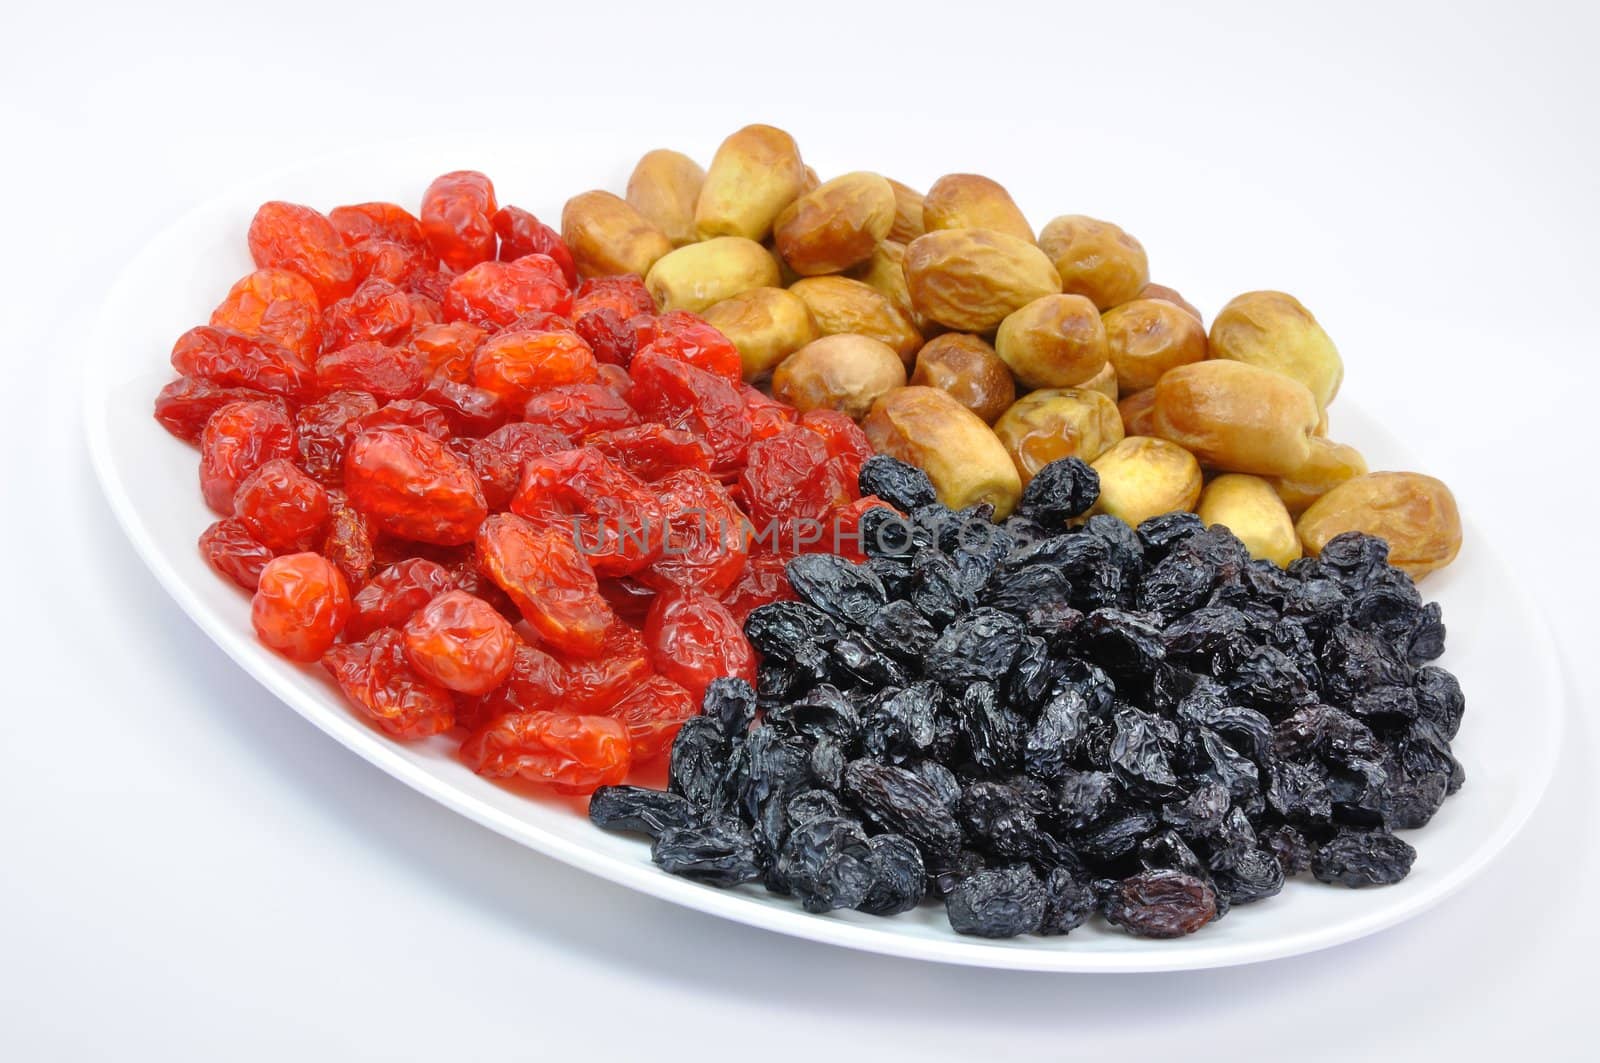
(1498, 646)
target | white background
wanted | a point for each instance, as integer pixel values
(189, 870)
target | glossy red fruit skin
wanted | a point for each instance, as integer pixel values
(396, 264)
(458, 218)
(693, 638)
(471, 411)
(690, 338)
(577, 754)
(376, 676)
(446, 349)
(762, 582)
(596, 503)
(324, 429)
(461, 643)
(185, 405)
(498, 293)
(410, 413)
(608, 335)
(629, 599)
(576, 410)
(237, 440)
(300, 606)
(766, 416)
(788, 477)
(680, 395)
(498, 457)
(844, 437)
(395, 593)
(300, 240)
(516, 364)
(653, 711)
(376, 312)
(706, 542)
(382, 371)
(274, 305)
(548, 679)
(389, 222)
(233, 360)
(549, 580)
(523, 234)
(411, 486)
(349, 540)
(228, 547)
(624, 294)
(282, 507)
(652, 451)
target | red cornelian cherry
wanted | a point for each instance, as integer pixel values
(460, 642)
(577, 754)
(301, 605)
(377, 677)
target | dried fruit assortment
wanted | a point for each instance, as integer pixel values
(1037, 721)
(493, 499)
(950, 559)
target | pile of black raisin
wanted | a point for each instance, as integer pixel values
(1036, 723)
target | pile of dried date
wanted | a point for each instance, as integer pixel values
(1037, 722)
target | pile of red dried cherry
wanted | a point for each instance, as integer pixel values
(488, 498)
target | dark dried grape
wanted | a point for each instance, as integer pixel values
(898, 876)
(998, 821)
(1068, 902)
(699, 757)
(730, 703)
(825, 863)
(1055, 737)
(1161, 904)
(903, 486)
(998, 903)
(1362, 858)
(1255, 876)
(897, 724)
(992, 731)
(845, 591)
(1060, 491)
(822, 711)
(979, 647)
(718, 854)
(902, 632)
(633, 808)
(901, 802)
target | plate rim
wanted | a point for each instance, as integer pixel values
(380, 751)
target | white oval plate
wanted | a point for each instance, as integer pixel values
(1498, 645)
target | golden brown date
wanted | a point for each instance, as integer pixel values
(1251, 509)
(1054, 423)
(766, 324)
(1143, 477)
(928, 428)
(664, 187)
(845, 372)
(1415, 514)
(968, 201)
(755, 173)
(701, 275)
(1237, 417)
(970, 280)
(970, 370)
(1056, 341)
(1147, 337)
(837, 225)
(839, 304)
(1096, 259)
(1275, 331)
(607, 236)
